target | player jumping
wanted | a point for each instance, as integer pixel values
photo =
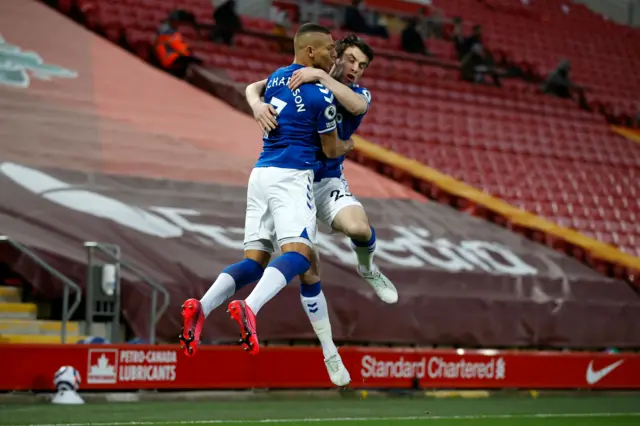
(280, 201)
(336, 206)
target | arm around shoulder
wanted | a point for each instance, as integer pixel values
(254, 92)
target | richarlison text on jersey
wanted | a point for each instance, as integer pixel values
(275, 82)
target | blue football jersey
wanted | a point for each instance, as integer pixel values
(303, 114)
(347, 126)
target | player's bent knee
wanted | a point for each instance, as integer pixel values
(301, 248)
(260, 256)
(312, 275)
(353, 222)
(309, 278)
(358, 230)
(315, 262)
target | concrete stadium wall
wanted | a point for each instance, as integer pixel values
(622, 11)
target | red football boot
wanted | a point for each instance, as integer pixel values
(242, 314)
(193, 320)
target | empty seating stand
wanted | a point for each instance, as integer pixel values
(537, 152)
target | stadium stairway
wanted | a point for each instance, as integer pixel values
(19, 323)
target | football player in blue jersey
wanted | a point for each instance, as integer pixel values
(280, 202)
(336, 206)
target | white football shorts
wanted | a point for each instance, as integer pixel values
(331, 196)
(280, 209)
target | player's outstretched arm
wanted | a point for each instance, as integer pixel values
(253, 93)
(353, 102)
(264, 114)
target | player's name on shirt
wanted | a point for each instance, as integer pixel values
(297, 98)
(278, 81)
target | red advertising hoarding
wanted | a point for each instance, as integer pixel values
(115, 367)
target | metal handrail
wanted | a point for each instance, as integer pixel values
(67, 311)
(155, 315)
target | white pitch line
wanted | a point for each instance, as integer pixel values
(346, 419)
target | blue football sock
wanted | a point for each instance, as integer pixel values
(365, 251)
(279, 272)
(231, 279)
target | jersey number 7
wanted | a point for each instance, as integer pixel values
(279, 104)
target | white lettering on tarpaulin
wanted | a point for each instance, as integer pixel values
(411, 247)
(215, 233)
(15, 65)
(499, 257)
(434, 367)
(147, 373)
(147, 366)
(400, 369)
(64, 194)
(438, 368)
(150, 357)
(110, 366)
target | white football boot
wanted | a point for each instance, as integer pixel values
(383, 287)
(337, 371)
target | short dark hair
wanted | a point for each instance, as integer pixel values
(353, 40)
(312, 28)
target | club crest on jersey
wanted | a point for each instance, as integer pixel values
(367, 95)
(330, 112)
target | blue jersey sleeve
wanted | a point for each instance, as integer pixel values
(324, 104)
(365, 94)
(347, 126)
(347, 122)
